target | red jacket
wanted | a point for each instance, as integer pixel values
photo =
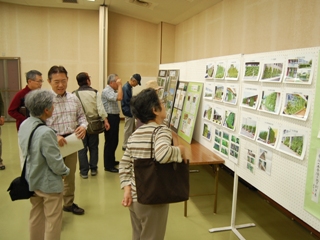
(16, 103)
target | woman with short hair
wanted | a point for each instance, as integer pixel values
(44, 167)
(148, 221)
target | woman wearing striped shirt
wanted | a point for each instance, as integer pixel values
(148, 221)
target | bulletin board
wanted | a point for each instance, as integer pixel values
(168, 80)
(259, 111)
(190, 111)
(178, 105)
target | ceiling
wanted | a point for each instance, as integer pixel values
(154, 11)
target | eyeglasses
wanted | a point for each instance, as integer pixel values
(38, 81)
(63, 82)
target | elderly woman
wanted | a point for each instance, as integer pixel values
(148, 221)
(44, 168)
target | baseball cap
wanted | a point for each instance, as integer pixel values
(137, 77)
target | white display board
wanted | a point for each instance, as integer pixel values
(263, 162)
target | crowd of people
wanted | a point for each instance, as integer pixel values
(61, 113)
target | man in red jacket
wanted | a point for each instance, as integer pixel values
(17, 109)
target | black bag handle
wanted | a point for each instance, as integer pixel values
(156, 129)
(29, 143)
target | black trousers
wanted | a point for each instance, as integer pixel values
(111, 138)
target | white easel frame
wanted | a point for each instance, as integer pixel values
(234, 228)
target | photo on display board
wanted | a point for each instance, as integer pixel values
(299, 69)
(175, 119)
(265, 160)
(178, 105)
(180, 95)
(251, 160)
(250, 96)
(218, 114)
(251, 71)
(232, 70)
(220, 70)
(206, 131)
(209, 71)
(231, 94)
(229, 121)
(225, 144)
(162, 81)
(296, 104)
(293, 141)
(217, 140)
(234, 148)
(248, 126)
(272, 71)
(169, 94)
(207, 111)
(268, 133)
(270, 100)
(218, 92)
(208, 90)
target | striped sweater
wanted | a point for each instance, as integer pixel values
(138, 146)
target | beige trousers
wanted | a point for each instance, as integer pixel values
(45, 216)
(148, 222)
(69, 185)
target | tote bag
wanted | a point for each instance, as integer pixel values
(161, 183)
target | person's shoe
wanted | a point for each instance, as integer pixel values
(84, 176)
(94, 172)
(116, 163)
(114, 170)
(74, 209)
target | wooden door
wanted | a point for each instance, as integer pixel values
(10, 76)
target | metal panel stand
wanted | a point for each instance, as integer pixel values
(233, 227)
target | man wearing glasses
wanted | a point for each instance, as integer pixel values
(17, 110)
(67, 118)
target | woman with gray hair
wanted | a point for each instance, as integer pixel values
(44, 167)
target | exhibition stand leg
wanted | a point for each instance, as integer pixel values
(233, 227)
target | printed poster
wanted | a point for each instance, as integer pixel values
(178, 105)
(299, 69)
(190, 110)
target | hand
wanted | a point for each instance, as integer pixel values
(61, 141)
(119, 82)
(1, 121)
(106, 124)
(80, 132)
(182, 151)
(127, 199)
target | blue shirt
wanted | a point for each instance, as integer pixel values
(125, 103)
(109, 100)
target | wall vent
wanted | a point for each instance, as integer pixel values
(142, 3)
(70, 1)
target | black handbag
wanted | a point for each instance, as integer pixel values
(19, 187)
(158, 183)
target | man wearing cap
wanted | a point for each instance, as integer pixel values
(125, 107)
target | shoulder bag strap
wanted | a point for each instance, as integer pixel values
(156, 129)
(80, 101)
(29, 143)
